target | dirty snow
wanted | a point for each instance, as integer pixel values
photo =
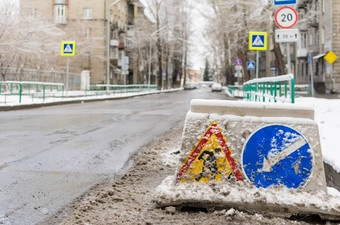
(130, 200)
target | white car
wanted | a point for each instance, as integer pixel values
(190, 86)
(216, 87)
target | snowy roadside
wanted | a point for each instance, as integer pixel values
(327, 113)
(130, 199)
(12, 102)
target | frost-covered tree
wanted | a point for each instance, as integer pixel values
(228, 32)
(172, 17)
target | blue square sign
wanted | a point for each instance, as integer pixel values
(284, 2)
(250, 65)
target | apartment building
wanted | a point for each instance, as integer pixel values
(85, 22)
(319, 22)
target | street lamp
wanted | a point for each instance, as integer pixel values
(160, 29)
(108, 43)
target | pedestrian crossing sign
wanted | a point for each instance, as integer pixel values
(250, 65)
(258, 41)
(68, 48)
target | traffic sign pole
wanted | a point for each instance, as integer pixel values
(257, 63)
(288, 58)
(67, 71)
(310, 60)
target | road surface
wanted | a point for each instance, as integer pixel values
(51, 155)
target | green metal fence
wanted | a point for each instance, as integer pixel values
(32, 89)
(302, 89)
(14, 91)
(270, 89)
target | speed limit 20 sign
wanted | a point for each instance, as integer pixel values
(286, 17)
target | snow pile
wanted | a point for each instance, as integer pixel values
(327, 113)
(244, 196)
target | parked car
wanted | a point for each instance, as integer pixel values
(190, 86)
(216, 87)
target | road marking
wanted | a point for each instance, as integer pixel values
(269, 163)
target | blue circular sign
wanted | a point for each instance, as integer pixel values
(277, 155)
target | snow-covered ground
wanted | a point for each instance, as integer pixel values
(50, 97)
(327, 112)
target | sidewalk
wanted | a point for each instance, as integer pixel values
(27, 102)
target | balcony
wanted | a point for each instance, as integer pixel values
(114, 43)
(301, 52)
(60, 2)
(130, 32)
(60, 20)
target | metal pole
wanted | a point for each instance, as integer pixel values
(108, 44)
(311, 78)
(288, 58)
(67, 71)
(149, 63)
(257, 64)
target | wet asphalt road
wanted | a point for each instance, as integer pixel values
(51, 155)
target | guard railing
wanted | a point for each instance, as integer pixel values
(270, 89)
(31, 89)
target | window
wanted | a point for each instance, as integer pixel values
(322, 35)
(60, 13)
(302, 69)
(87, 32)
(323, 6)
(311, 41)
(87, 13)
(317, 11)
(303, 40)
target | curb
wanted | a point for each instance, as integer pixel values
(77, 101)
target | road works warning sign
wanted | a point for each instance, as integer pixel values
(211, 159)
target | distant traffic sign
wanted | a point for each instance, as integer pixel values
(68, 48)
(286, 17)
(258, 41)
(250, 65)
(284, 2)
(286, 35)
(238, 62)
(277, 155)
(330, 57)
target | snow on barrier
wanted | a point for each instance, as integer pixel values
(251, 156)
(270, 89)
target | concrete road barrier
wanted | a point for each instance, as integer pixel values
(248, 148)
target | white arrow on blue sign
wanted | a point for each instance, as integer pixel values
(250, 65)
(277, 155)
(284, 2)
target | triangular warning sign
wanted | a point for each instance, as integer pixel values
(211, 159)
(258, 41)
(68, 49)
